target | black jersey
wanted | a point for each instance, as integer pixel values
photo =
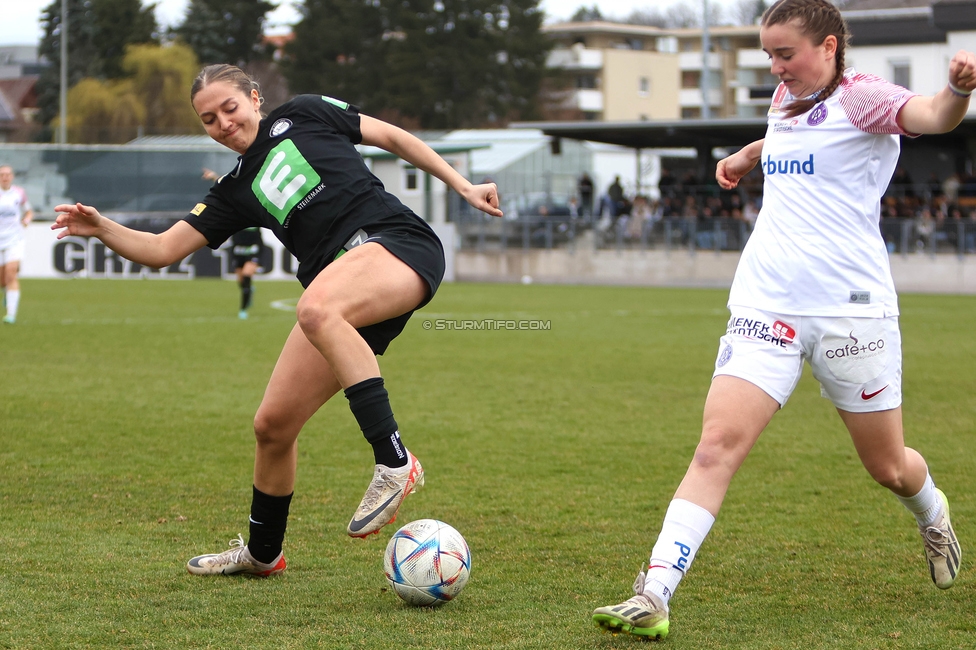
(303, 179)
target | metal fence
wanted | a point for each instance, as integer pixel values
(126, 178)
(484, 234)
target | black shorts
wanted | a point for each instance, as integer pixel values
(241, 260)
(413, 242)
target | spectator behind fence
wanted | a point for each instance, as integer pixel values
(666, 184)
(950, 188)
(901, 184)
(616, 195)
(933, 187)
(640, 217)
(969, 232)
(585, 188)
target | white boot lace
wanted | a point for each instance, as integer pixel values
(937, 541)
(233, 555)
(383, 477)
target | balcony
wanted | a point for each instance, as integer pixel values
(590, 101)
(691, 97)
(575, 58)
(752, 59)
(693, 61)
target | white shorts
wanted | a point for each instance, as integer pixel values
(12, 253)
(856, 360)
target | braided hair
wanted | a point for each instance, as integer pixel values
(815, 19)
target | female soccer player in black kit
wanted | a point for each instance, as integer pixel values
(246, 247)
(366, 262)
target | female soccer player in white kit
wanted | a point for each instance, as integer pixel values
(813, 283)
(15, 214)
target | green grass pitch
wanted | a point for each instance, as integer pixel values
(126, 448)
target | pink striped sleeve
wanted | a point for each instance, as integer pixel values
(872, 104)
(25, 204)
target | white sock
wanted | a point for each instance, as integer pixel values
(926, 505)
(684, 529)
(13, 297)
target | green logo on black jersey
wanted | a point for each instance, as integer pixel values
(284, 180)
(336, 102)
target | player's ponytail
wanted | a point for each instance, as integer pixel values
(816, 19)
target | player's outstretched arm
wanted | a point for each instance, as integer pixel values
(729, 171)
(412, 149)
(943, 111)
(143, 248)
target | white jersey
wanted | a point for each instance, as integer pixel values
(817, 248)
(13, 206)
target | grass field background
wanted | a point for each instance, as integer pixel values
(125, 423)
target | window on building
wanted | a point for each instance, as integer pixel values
(411, 180)
(745, 77)
(635, 44)
(690, 78)
(643, 86)
(586, 81)
(667, 44)
(690, 113)
(901, 73)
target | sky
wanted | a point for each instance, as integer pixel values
(20, 19)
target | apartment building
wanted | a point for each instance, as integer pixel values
(621, 72)
(614, 71)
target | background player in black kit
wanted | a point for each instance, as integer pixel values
(246, 247)
(366, 263)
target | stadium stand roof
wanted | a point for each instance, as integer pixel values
(657, 135)
(704, 135)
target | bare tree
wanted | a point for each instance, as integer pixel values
(689, 14)
(746, 12)
(649, 16)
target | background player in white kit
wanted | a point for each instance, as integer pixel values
(15, 214)
(813, 283)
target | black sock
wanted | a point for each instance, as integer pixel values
(245, 293)
(370, 403)
(269, 517)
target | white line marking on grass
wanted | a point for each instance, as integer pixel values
(140, 321)
(287, 304)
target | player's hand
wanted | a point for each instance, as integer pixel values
(962, 71)
(729, 171)
(485, 198)
(77, 219)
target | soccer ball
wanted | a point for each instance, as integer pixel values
(427, 563)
